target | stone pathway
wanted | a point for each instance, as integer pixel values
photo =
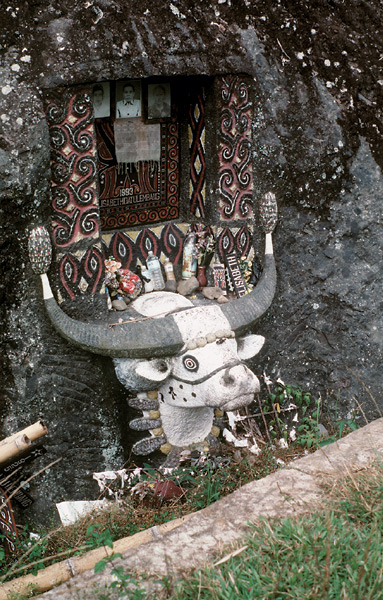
(204, 535)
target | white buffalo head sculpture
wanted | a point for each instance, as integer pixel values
(207, 373)
(182, 361)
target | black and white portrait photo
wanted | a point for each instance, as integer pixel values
(159, 101)
(128, 99)
(101, 99)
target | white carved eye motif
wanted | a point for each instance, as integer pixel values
(190, 363)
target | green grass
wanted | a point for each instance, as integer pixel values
(333, 554)
(323, 556)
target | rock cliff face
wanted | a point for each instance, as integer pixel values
(318, 85)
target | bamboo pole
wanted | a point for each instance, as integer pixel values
(61, 572)
(10, 447)
(33, 432)
(18, 442)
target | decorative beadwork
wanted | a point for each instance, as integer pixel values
(268, 212)
(40, 250)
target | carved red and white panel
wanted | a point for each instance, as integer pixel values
(75, 211)
(196, 128)
(235, 179)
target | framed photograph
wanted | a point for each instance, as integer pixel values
(128, 99)
(136, 141)
(101, 99)
(159, 101)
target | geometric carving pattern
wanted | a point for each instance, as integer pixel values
(81, 273)
(197, 184)
(235, 156)
(167, 241)
(170, 179)
(238, 240)
(128, 248)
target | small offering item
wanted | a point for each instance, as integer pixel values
(122, 284)
(246, 267)
(154, 268)
(189, 262)
(148, 283)
(205, 246)
(130, 283)
(201, 276)
(198, 252)
(171, 284)
(219, 276)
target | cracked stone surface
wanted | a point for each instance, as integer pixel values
(318, 98)
(287, 492)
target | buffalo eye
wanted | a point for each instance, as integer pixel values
(190, 363)
(162, 366)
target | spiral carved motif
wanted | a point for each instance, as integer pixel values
(74, 167)
(235, 178)
(60, 198)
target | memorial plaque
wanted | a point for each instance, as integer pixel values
(22, 497)
(138, 172)
(235, 274)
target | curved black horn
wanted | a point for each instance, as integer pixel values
(244, 312)
(140, 339)
(149, 338)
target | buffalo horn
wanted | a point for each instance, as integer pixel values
(149, 338)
